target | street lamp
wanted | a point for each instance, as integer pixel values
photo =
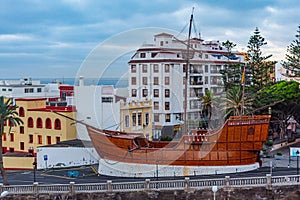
(4, 194)
(214, 189)
(157, 169)
(34, 171)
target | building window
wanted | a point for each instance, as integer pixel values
(167, 80)
(21, 112)
(11, 149)
(139, 119)
(167, 68)
(155, 80)
(156, 105)
(30, 122)
(4, 136)
(133, 68)
(206, 56)
(145, 92)
(143, 55)
(167, 105)
(3, 89)
(156, 92)
(40, 139)
(48, 123)
(133, 92)
(28, 90)
(167, 93)
(12, 138)
(206, 68)
(147, 119)
(57, 139)
(10, 123)
(156, 117)
(145, 81)
(21, 129)
(161, 43)
(48, 139)
(57, 124)
(133, 119)
(39, 123)
(30, 138)
(168, 118)
(22, 146)
(206, 80)
(127, 124)
(39, 90)
(144, 68)
(133, 80)
(155, 68)
(184, 68)
(107, 99)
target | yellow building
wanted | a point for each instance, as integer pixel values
(136, 117)
(41, 127)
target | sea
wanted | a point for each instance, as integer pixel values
(116, 82)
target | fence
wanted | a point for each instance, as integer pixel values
(268, 181)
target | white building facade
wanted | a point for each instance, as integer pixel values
(157, 72)
(27, 88)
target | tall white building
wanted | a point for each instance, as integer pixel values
(157, 72)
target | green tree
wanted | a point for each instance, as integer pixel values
(234, 103)
(292, 63)
(8, 114)
(207, 103)
(231, 74)
(258, 69)
(287, 96)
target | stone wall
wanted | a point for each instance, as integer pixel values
(257, 193)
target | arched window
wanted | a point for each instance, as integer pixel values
(48, 123)
(39, 123)
(30, 122)
(21, 112)
(57, 124)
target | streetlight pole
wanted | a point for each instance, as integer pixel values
(34, 171)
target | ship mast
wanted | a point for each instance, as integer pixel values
(186, 75)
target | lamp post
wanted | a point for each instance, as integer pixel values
(34, 171)
(214, 189)
(157, 169)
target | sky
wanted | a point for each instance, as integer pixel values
(52, 39)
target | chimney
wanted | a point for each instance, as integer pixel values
(81, 81)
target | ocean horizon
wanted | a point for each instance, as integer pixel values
(116, 82)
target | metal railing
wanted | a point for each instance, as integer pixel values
(268, 181)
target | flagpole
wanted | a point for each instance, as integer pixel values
(243, 90)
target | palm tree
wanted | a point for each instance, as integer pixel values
(233, 102)
(206, 105)
(9, 114)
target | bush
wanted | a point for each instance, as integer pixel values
(165, 138)
(279, 154)
(268, 143)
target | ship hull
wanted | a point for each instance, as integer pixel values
(235, 144)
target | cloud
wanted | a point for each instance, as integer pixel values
(63, 32)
